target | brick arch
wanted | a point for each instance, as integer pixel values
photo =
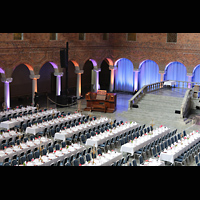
(27, 65)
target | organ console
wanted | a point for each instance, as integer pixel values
(101, 101)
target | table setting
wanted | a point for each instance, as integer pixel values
(106, 159)
(180, 147)
(68, 132)
(145, 139)
(110, 133)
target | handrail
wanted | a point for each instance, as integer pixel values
(155, 86)
(185, 107)
(143, 91)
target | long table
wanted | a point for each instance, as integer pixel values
(16, 121)
(105, 160)
(177, 149)
(63, 134)
(107, 135)
(34, 129)
(52, 158)
(23, 147)
(144, 140)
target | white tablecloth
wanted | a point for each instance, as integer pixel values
(105, 160)
(170, 83)
(40, 127)
(63, 134)
(50, 158)
(107, 135)
(16, 121)
(144, 140)
(153, 162)
(177, 149)
(10, 151)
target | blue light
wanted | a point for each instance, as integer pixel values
(124, 78)
(148, 73)
(175, 71)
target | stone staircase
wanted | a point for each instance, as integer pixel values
(159, 108)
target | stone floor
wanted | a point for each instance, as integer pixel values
(157, 107)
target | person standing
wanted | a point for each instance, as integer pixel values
(36, 99)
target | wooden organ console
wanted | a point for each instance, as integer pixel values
(101, 101)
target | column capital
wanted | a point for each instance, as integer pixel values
(79, 71)
(111, 67)
(6, 80)
(96, 69)
(58, 73)
(34, 76)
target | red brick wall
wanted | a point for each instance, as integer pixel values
(36, 49)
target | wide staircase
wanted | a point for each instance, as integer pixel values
(159, 107)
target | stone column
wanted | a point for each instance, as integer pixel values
(7, 90)
(136, 79)
(78, 85)
(96, 78)
(112, 75)
(58, 82)
(34, 85)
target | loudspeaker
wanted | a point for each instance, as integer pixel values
(63, 58)
(135, 106)
(177, 111)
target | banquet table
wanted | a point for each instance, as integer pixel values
(23, 147)
(170, 83)
(7, 135)
(16, 121)
(153, 162)
(144, 140)
(51, 158)
(177, 149)
(63, 134)
(34, 129)
(11, 111)
(107, 135)
(105, 160)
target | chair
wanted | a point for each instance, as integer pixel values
(196, 159)
(141, 160)
(36, 154)
(29, 156)
(134, 162)
(57, 146)
(44, 151)
(14, 162)
(81, 160)
(50, 149)
(83, 140)
(88, 158)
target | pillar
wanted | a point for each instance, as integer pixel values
(136, 80)
(7, 90)
(161, 75)
(96, 79)
(112, 74)
(58, 82)
(78, 85)
(34, 85)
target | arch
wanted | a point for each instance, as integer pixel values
(104, 75)
(124, 75)
(175, 71)
(110, 62)
(22, 84)
(196, 74)
(148, 73)
(86, 78)
(94, 63)
(47, 80)
(31, 70)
